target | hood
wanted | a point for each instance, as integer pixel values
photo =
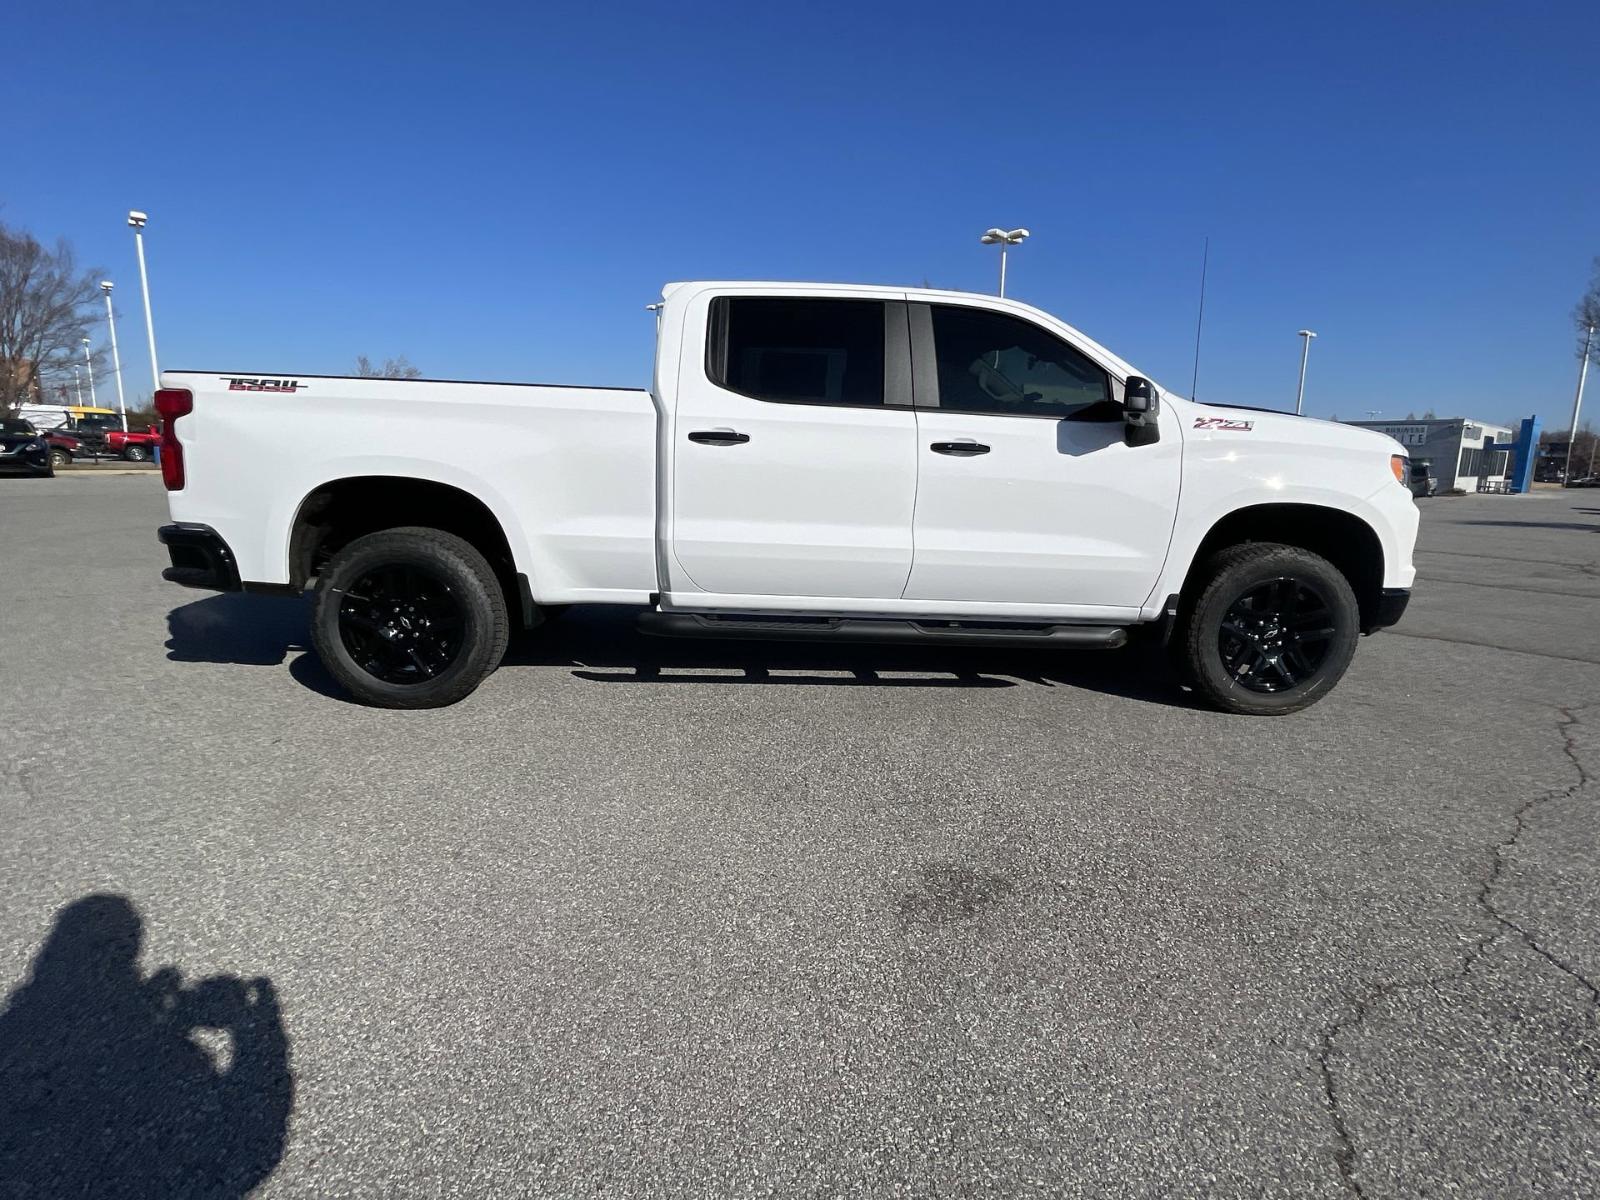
(1308, 430)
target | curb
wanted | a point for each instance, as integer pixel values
(63, 472)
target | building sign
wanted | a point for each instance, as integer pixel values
(1407, 435)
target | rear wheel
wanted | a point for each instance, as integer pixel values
(409, 618)
(1272, 630)
(136, 454)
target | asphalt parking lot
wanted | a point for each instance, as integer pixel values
(658, 919)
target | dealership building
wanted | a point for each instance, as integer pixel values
(1460, 452)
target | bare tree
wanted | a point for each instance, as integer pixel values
(47, 307)
(1586, 316)
(392, 368)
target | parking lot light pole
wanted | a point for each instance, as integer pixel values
(77, 384)
(116, 360)
(88, 362)
(1577, 407)
(137, 220)
(1004, 238)
(1305, 350)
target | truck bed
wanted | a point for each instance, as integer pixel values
(569, 471)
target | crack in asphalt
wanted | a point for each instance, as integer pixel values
(1345, 1148)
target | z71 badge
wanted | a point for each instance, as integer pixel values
(261, 385)
(1226, 424)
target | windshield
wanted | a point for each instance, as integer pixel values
(9, 425)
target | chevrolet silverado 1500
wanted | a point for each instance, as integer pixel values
(812, 461)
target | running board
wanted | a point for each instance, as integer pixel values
(860, 629)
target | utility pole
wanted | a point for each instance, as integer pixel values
(1305, 350)
(137, 220)
(88, 362)
(1004, 238)
(116, 360)
(1577, 407)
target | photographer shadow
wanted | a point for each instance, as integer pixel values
(112, 1083)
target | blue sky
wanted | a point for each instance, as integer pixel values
(498, 191)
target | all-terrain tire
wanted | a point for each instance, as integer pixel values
(451, 567)
(1241, 571)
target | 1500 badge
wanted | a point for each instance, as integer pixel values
(1226, 424)
(261, 385)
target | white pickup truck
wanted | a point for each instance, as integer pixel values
(813, 461)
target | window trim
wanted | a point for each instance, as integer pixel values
(897, 341)
(925, 365)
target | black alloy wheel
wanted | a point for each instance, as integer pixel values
(1269, 629)
(401, 624)
(409, 617)
(1276, 636)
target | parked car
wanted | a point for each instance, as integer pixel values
(63, 447)
(812, 462)
(1421, 479)
(23, 449)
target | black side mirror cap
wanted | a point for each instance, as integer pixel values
(1141, 408)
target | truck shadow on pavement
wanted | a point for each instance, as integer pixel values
(117, 1084)
(600, 644)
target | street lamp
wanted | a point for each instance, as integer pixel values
(137, 220)
(116, 360)
(89, 362)
(1004, 238)
(1577, 407)
(77, 384)
(1305, 349)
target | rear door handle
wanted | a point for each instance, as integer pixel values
(966, 449)
(719, 437)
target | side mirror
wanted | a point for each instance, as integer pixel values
(1141, 408)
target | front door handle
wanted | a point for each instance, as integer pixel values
(966, 449)
(719, 437)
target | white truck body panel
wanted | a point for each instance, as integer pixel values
(824, 508)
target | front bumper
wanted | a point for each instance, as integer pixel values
(1391, 607)
(36, 461)
(200, 558)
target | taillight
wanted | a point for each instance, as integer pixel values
(172, 403)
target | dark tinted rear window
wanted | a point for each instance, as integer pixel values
(798, 351)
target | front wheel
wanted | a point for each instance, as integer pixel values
(409, 618)
(59, 458)
(1272, 630)
(136, 454)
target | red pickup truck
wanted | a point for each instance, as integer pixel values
(102, 433)
(135, 445)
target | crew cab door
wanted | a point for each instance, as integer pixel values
(793, 447)
(1027, 490)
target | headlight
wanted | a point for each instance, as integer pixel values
(34, 446)
(1398, 464)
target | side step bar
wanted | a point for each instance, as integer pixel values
(861, 629)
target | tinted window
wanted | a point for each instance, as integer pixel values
(15, 427)
(799, 351)
(989, 362)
